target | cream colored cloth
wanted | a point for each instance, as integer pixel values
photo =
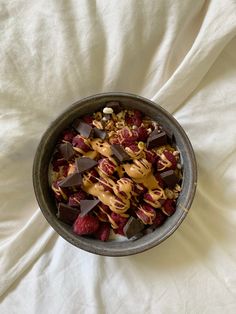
(180, 54)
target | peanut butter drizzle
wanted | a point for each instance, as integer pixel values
(91, 154)
(118, 205)
(101, 147)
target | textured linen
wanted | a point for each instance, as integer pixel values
(180, 54)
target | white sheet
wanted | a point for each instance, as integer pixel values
(182, 55)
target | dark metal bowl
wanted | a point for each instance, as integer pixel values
(46, 200)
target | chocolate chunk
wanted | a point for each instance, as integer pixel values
(119, 152)
(156, 139)
(67, 214)
(132, 227)
(87, 205)
(115, 105)
(170, 178)
(99, 133)
(66, 150)
(85, 163)
(74, 179)
(83, 128)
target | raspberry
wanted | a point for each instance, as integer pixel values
(92, 175)
(68, 135)
(87, 224)
(105, 184)
(74, 199)
(103, 232)
(127, 137)
(136, 121)
(137, 114)
(169, 207)
(106, 166)
(160, 181)
(142, 134)
(160, 218)
(88, 119)
(146, 213)
(171, 158)
(151, 156)
(78, 141)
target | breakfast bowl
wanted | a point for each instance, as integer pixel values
(49, 194)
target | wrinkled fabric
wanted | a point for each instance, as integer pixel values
(181, 54)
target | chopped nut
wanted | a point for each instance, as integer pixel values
(98, 124)
(107, 110)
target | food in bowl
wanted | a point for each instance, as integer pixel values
(115, 172)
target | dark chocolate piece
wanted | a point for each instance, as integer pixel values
(157, 139)
(87, 205)
(170, 178)
(85, 163)
(119, 152)
(83, 128)
(74, 179)
(132, 227)
(99, 133)
(115, 105)
(66, 150)
(67, 214)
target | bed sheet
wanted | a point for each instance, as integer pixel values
(181, 54)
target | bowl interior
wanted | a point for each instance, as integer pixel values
(46, 200)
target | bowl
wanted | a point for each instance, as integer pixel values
(46, 200)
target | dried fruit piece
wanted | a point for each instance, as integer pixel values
(169, 207)
(106, 166)
(85, 225)
(74, 199)
(103, 232)
(146, 214)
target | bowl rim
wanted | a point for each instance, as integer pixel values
(87, 246)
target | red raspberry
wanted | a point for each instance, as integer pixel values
(160, 218)
(136, 121)
(134, 148)
(103, 231)
(87, 224)
(78, 141)
(105, 184)
(106, 166)
(171, 158)
(151, 156)
(74, 199)
(68, 135)
(92, 175)
(146, 213)
(137, 114)
(142, 134)
(58, 161)
(88, 119)
(127, 137)
(104, 208)
(169, 207)
(160, 181)
(139, 189)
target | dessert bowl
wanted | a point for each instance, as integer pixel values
(45, 196)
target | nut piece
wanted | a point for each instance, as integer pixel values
(107, 110)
